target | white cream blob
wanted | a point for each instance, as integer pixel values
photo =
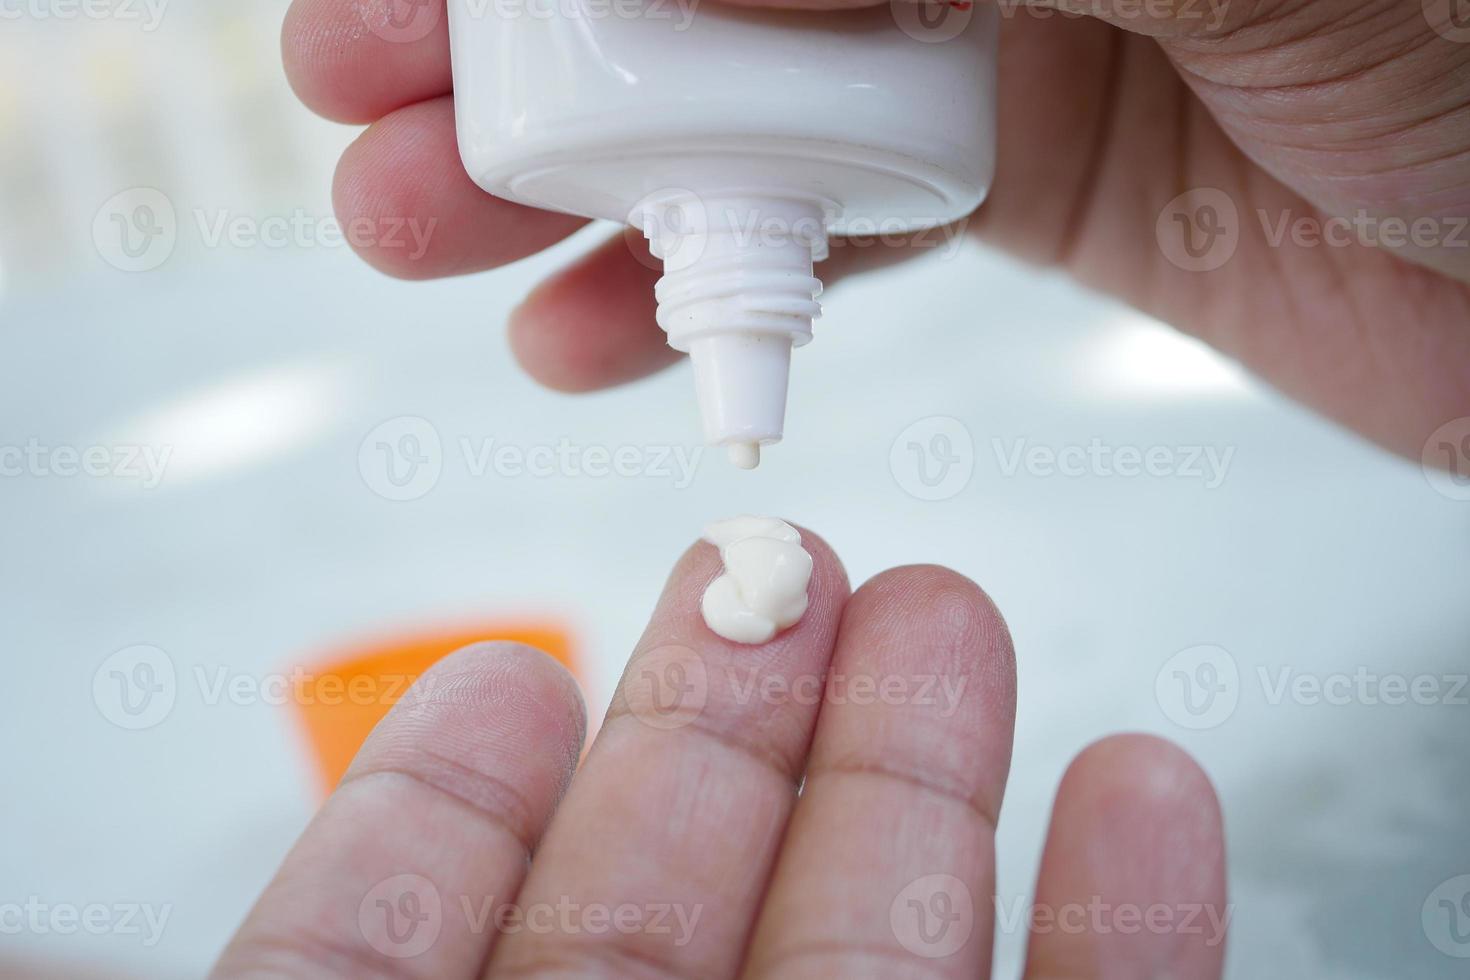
(763, 588)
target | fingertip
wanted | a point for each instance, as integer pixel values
(296, 52)
(354, 62)
(303, 52)
(1143, 818)
(1135, 774)
(929, 585)
(483, 698)
(929, 627)
(1136, 826)
(948, 610)
(493, 666)
(521, 666)
(407, 205)
(378, 184)
(540, 341)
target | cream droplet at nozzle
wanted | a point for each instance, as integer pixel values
(746, 455)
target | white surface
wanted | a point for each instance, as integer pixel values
(275, 372)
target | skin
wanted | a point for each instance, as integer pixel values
(1294, 109)
(798, 826)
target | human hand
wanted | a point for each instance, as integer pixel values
(821, 805)
(1280, 116)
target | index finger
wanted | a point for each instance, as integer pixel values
(670, 829)
(435, 819)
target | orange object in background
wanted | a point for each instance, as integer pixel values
(341, 701)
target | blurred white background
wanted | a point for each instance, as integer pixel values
(1265, 547)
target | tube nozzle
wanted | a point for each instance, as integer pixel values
(737, 294)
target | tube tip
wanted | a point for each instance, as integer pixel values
(746, 455)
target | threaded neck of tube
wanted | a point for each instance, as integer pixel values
(736, 263)
(737, 294)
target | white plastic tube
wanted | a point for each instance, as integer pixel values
(738, 141)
